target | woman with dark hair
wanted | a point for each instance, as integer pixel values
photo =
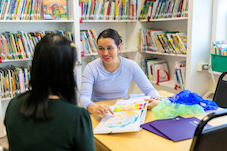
(47, 117)
(110, 75)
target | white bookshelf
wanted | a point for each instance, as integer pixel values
(164, 54)
(72, 24)
(36, 21)
(109, 21)
(198, 28)
(165, 19)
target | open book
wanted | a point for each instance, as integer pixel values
(129, 114)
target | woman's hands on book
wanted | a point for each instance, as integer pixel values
(100, 110)
(152, 102)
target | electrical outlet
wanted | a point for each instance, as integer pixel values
(202, 67)
(205, 67)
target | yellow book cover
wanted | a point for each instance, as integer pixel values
(20, 46)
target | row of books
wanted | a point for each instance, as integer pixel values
(21, 45)
(158, 40)
(88, 41)
(20, 9)
(180, 74)
(13, 81)
(156, 70)
(108, 9)
(219, 48)
(164, 9)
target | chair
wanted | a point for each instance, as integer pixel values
(212, 139)
(220, 95)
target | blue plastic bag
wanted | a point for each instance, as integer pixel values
(188, 98)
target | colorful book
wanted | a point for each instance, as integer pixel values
(54, 9)
(129, 114)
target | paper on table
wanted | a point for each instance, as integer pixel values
(129, 114)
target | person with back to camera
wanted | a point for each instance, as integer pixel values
(110, 75)
(47, 117)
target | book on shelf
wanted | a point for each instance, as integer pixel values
(129, 114)
(11, 45)
(25, 44)
(158, 40)
(185, 9)
(21, 45)
(219, 47)
(182, 41)
(88, 41)
(158, 71)
(2, 49)
(162, 72)
(180, 74)
(13, 9)
(6, 48)
(55, 9)
(144, 65)
(20, 9)
(7, 9)
(146, 9)
(108, 9)
(156, 9)
(149, 41)
(14, 80)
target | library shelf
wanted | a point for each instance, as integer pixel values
(165, 19)
(36, 21)
(165, 54)
(109, 21)
(16, 60)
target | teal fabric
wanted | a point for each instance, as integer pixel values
(68, 129)
(166, 110)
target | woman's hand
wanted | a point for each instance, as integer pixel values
(152, 102)
(100, 110)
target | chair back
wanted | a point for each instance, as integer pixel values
(212, 139)
(220, 95)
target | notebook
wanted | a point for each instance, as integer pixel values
(175, 129)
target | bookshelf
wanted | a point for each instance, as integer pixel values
(198, 28)
(72, 24)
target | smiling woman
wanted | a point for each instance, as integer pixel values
(108, 52)
(109, 76)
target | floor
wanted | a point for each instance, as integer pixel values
(4, 142)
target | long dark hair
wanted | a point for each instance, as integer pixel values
(51, 73)
(111, 33)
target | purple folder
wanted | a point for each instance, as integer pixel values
(175, 129)
(152, 129)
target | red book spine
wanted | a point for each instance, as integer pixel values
(108, 10)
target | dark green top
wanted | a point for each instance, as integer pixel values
(68, 129)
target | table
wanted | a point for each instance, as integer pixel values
(142, 140)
